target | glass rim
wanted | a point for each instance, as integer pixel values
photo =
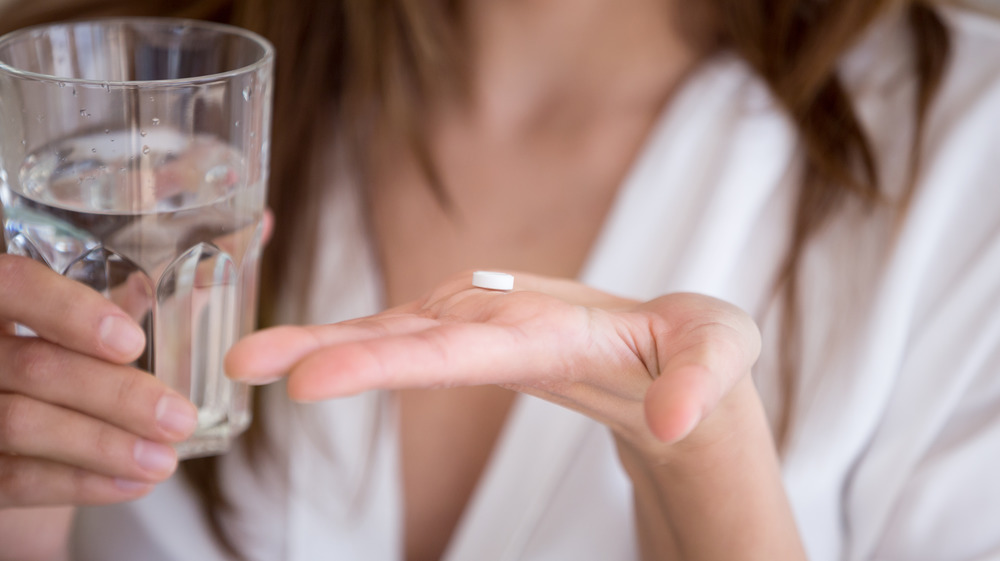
(267, 52)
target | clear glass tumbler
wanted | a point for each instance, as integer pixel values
(134, 158)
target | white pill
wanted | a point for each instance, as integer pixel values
(492, 280)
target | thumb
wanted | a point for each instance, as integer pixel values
(678, 400)
(699, 370)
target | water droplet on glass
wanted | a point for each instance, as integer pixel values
(252, 134)
(62, 84)
(107, 131)
(237, 123)
(145, 149)
(246, 93)
(83, 113)
(106, 86)
(74, 92)
(93, 150)
(24, 142)
(142, 132)
(156, 121)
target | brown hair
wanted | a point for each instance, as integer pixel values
(367, 61)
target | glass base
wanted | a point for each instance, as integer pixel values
(210, 441)
(202, 446)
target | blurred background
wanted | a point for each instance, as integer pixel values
(992, 6)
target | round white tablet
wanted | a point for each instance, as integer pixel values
(492, 280)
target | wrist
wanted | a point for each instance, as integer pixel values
(717, 493)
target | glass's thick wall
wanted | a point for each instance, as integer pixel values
(133, 158)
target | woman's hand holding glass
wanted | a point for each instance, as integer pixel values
(77, 424)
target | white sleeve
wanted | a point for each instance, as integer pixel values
(948, 504)
(926, 484)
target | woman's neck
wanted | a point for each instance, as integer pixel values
(531, 61)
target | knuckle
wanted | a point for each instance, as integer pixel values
(80, 485)
(130, 389)
(29, 355)
(13, 484)
(105, 443)
(30, 361)
(15, 421)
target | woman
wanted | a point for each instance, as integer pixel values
(822, 166)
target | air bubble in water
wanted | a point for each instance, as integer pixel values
(217, 175)
(156, 121)
(145, 149)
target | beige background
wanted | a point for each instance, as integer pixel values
(992, 6)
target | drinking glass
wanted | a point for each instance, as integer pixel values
(134, 158)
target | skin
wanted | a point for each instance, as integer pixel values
(561, 102)
(77, 426)
(670, 377)
(562, 97)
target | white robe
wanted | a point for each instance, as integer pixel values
(895, 449)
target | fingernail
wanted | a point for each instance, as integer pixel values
(130, 486)
(154, 457)
(176, 416)
(121, 335)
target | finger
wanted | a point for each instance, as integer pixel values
(28, 481)
(128, 398)
(271, 353)
(36, 429)
(66, 312)
(449, 355)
